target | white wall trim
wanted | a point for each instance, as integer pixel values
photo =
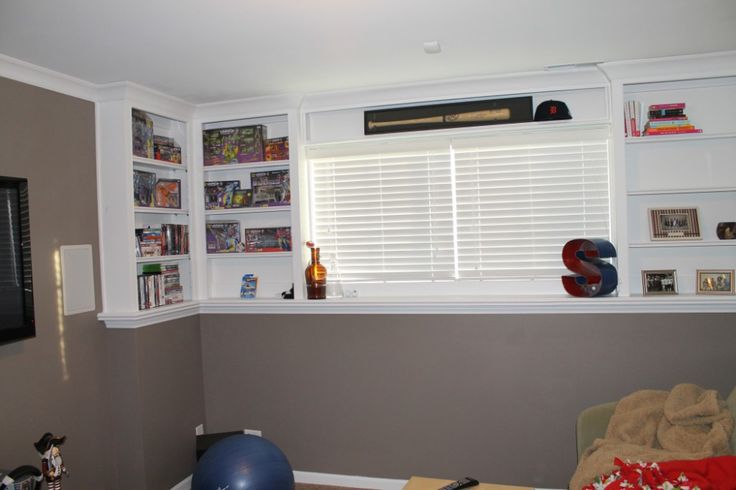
(348, 481)
(327, 479)
(512, 305)
(38, 76)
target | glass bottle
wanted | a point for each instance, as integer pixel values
(316, 277)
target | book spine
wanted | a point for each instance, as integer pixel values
(654, 132)
(659, 107)
(627, 120)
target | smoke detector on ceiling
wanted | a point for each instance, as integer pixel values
(432, 47)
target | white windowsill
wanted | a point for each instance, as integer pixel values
(552, 304)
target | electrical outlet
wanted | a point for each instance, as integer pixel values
(199, 430)
(253, 432)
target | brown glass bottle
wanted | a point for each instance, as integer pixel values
(316, 276)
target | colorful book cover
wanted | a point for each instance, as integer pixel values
(661, 107)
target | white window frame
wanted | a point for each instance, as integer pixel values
(458, 290)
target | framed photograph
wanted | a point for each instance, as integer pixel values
(168, 193)
(659, 282)
(674, 224)
(715, 282)
(726, 230)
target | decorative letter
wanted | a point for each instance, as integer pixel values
(593, 277)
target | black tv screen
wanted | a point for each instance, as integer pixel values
(17, 320)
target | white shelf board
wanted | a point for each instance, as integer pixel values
(254, 210)
(142, 318)
(669, 138)
(699, 190)
(551, 304)
(161, 258)
(151, 210)
(149, 162)
(561, 304)
(250, 255)
(683, 243)
(245, 166)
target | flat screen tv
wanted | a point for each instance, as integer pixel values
(17, 320)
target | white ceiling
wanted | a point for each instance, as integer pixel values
(208, 50)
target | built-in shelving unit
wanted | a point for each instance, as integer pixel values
(692, 170)
(676, 171)
(223, 271)
(120, 216)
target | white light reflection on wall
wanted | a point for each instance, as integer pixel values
(60, 316)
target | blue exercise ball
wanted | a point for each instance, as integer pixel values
(241, 462)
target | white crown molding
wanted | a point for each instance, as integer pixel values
(683, 67)
(457, 88)
(38, 76)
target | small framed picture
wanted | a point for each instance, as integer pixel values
(715, 282)
(674, 224)
(659, 282)
(726, 230)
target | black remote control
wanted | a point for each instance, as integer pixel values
(463, 483)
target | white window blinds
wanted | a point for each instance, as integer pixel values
(462, 208)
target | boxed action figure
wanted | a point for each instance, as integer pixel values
(277, 149)
(234, 145)
(166, 149)
(142, 134)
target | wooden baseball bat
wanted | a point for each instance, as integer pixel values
(474, 116)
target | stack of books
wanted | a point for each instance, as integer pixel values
(159, 285)
(668, 119)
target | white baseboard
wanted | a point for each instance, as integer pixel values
(328, 479)
(348, 481)
(185, 484)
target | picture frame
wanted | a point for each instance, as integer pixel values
(715, 281)
(674, 224)
(726, 230)
(659, 282)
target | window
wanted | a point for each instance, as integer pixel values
(485, 212)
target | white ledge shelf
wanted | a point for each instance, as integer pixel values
(700, 190)
(142, 318)
(152, 210)
(684, 243)
(670, 138)
(553, 304)
(149, 162)
(248, 255)
(245, 166)
(254, 210)
(161, 258)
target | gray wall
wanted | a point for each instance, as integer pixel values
(494, 397)
(57, 381)
(127, 400)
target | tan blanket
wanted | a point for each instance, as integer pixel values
(685, 423)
